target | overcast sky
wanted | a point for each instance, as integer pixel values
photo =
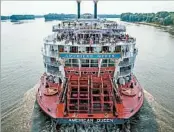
(104, 7)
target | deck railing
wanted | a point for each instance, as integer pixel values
(124, 73)
(75, 27)
(111, 41)
(122, 64)
(55, 64)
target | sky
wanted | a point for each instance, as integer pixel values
(104, 7)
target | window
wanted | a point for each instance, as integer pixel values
(61, 48)
(89, 49)
(75, 63)
(53, 59)
(68, 62)
(72, 62)
(94, 62)
(118, 49)
(74, 49)
(94, 65)
(85, 62)
(105, 48)
(111, 62)
(104, 63)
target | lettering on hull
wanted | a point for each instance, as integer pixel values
(104, 121)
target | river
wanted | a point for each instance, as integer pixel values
(22, 66)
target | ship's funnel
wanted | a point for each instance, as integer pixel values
(95, 8)
(78, 8)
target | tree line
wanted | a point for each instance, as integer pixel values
(53, 16)
(161, 18)
(18, 17)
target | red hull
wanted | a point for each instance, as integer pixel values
(131, 100)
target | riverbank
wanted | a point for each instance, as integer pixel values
(169, 29)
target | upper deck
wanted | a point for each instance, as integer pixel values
(83, 43)
(89, 32)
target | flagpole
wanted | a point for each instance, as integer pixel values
(100, 60)
(79, 68)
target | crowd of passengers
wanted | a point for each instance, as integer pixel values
(73, 38)
(105, 49)
(70, 37)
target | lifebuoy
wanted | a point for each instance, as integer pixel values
(128, 92)
(51, 91)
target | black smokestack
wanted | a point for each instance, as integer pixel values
(95, 8)
(78, 8)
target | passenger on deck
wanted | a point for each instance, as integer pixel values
(123, 51)
(127, 37)
(72, 40)
(75, 38)
(60, 81)
(127, 50)
(46, 86)
(134, 50)
(132, 85)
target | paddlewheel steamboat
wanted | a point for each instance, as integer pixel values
(88, 84)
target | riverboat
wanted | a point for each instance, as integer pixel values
(88, 84)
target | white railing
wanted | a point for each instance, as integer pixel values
(128, 54)
(50, 53)
(125, 73)
(55, 64)
(123, 64)
(53, 41)
(53, 72)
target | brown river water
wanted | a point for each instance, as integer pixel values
(22, 66)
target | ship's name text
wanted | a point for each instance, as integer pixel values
(65, 55)
(91, 120)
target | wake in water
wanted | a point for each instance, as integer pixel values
(42, 123)
(138, 123)
(152, 117)
(19, 119)
(163, 117)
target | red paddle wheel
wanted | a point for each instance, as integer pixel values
(89, 94)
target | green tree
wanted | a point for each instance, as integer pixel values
(162, 17)
(168, 20)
